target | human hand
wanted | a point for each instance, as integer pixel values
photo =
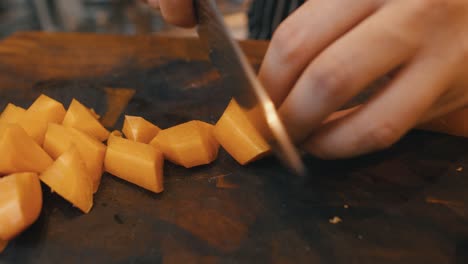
(177, 12)
(328, 51)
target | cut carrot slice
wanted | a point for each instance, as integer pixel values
(20, 152)
(12, 114)
(239, 137)
(69, 178)
(49, 108)
(208, 131)
(139, 129)
(92, 151)
(43, 111)
(20, 204)
(3, 245)
(35, 126)
(94, 113)
(135, 162)
(81, 118)
(59, 139)
(190, 144)
(116, 133)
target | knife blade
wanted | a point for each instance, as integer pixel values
(228, 58)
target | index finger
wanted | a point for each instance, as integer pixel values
(304, 35)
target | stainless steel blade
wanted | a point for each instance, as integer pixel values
(227, 56)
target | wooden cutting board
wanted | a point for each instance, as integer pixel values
(404, 205)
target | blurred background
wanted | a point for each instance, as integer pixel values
(104, 16)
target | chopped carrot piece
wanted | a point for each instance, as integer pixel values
(92, 151)
(94, 113)
(20, 152)
(52, 110)
(34, 120)
(12, 114)
(81, 118)
(3, 245)
(35, 127)
(116, 133)
(135, 162)
(69, 178)
(189, 144)
(139, 129)
(238, 136)
(20, 204)
(59, 139)
(43, 111)
(208, 130)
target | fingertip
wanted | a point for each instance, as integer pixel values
(178, 12)
(323, 143)
(318, 150)
(180, 22)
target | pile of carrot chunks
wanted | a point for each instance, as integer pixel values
(65, 150)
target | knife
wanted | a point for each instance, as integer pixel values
(228, 58)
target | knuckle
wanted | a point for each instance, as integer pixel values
(330, 82)
(383, 136)
(287, 42)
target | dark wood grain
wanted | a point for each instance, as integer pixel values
(403, 205)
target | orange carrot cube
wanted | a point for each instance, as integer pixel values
(139, 129)
(238, 136)
(20, 152)
(20, 204)
(135, 162)
(43, 111)
(12, 114)
(59, 139)
(189, 144)
(69, 178)
(52, 110)
(81, 118)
